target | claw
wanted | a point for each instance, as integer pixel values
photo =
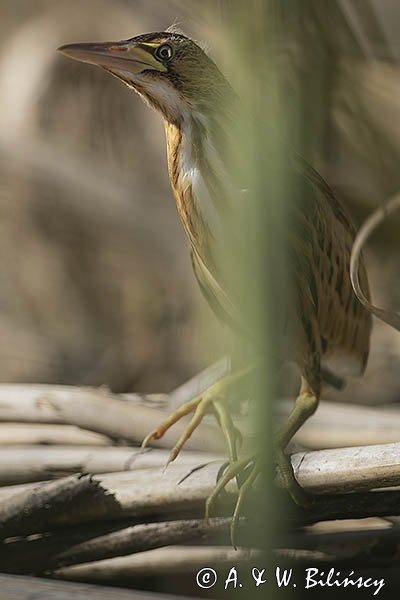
(230, 473)
(228, 429)
(193, 424)
(173, 418)
(238, 438)
(255, 471)
(289, 480)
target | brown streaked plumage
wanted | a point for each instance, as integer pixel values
(335, 327)
(175, 76)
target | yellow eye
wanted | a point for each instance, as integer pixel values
(164, 53)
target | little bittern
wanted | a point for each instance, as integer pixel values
(177, 78)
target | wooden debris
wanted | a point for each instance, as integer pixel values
(24, 434)
(124, 518)
(129, 417)
(169, 560)
(43, 553)
(59, 501)
(348, 469)
(97, 410)
(369, 547)
(337, 425)
(150, 491)
(87, 499)
(39, 463)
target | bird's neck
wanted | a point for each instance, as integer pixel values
(198, 178)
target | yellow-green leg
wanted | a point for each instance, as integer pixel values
(232, 471)
(305, 405)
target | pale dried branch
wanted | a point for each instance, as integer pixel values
(172, 559)
(348, 469)
(89, 499)
(97, 410)
(66, 498)
(39, 463)
(337, 425)
(22, 434)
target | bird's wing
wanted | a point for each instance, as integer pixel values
(324, 240)
(217, 298)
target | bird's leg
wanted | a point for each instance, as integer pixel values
(305, 405)
(214, 395)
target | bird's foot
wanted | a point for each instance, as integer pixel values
(245, 469)
(214, 397)
(290, 483)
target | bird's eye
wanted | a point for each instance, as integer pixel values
(164, 52)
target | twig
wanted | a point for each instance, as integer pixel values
(19, 434)
(170, 560)
(36, 463)
(67, 498)
(346, 506)
(36, 554)
(366, 547)
(84, 499)
(140, 538)
(99, 411)
(348, 469)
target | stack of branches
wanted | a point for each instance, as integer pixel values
(79, 501)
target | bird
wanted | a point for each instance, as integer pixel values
(174, 75)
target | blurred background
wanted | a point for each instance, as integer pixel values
(95, 277)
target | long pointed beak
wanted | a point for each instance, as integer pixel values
(113, 55)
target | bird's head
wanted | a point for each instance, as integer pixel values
(168, 69)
